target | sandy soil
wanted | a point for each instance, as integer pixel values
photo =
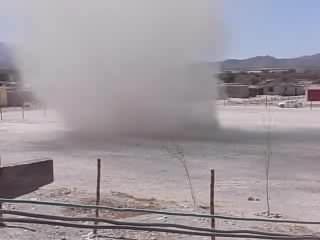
(149, 168)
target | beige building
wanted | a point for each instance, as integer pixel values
(233, 90)
(3, 97)
(236, 90)
(283, 89)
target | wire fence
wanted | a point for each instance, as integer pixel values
(261, 100)
(108, 224)
(20, 112)
(159, 212)
(98, 223)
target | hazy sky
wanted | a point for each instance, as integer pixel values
(282, 28)
(6, 25)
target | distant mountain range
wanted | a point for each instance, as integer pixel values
(305, 62)
(311, 62)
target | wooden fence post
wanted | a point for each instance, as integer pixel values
(23, 111)
(1, 215)
(97, 193)
(266, 101)
(213, 222)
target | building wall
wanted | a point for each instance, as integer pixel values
(289, 91)
(3, 97)
(244, 91)
(222, 92)
(15, 98)
(255, 91)
(237, 91)
(284, 90)
(294, 91)
(273, 90)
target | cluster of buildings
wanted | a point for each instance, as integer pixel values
(252, 82)
(269, 87)
(12, 94)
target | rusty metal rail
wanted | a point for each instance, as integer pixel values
(160, 212)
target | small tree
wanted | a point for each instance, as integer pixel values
(268, 159)
(177, 152)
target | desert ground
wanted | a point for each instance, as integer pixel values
(148, 169)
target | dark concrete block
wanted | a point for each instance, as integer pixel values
(23, 178)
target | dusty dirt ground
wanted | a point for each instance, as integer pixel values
(148, 169)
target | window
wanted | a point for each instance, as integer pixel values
(270, 89)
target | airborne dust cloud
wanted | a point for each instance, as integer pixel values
(124, 67)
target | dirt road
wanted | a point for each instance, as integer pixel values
(149, 168)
